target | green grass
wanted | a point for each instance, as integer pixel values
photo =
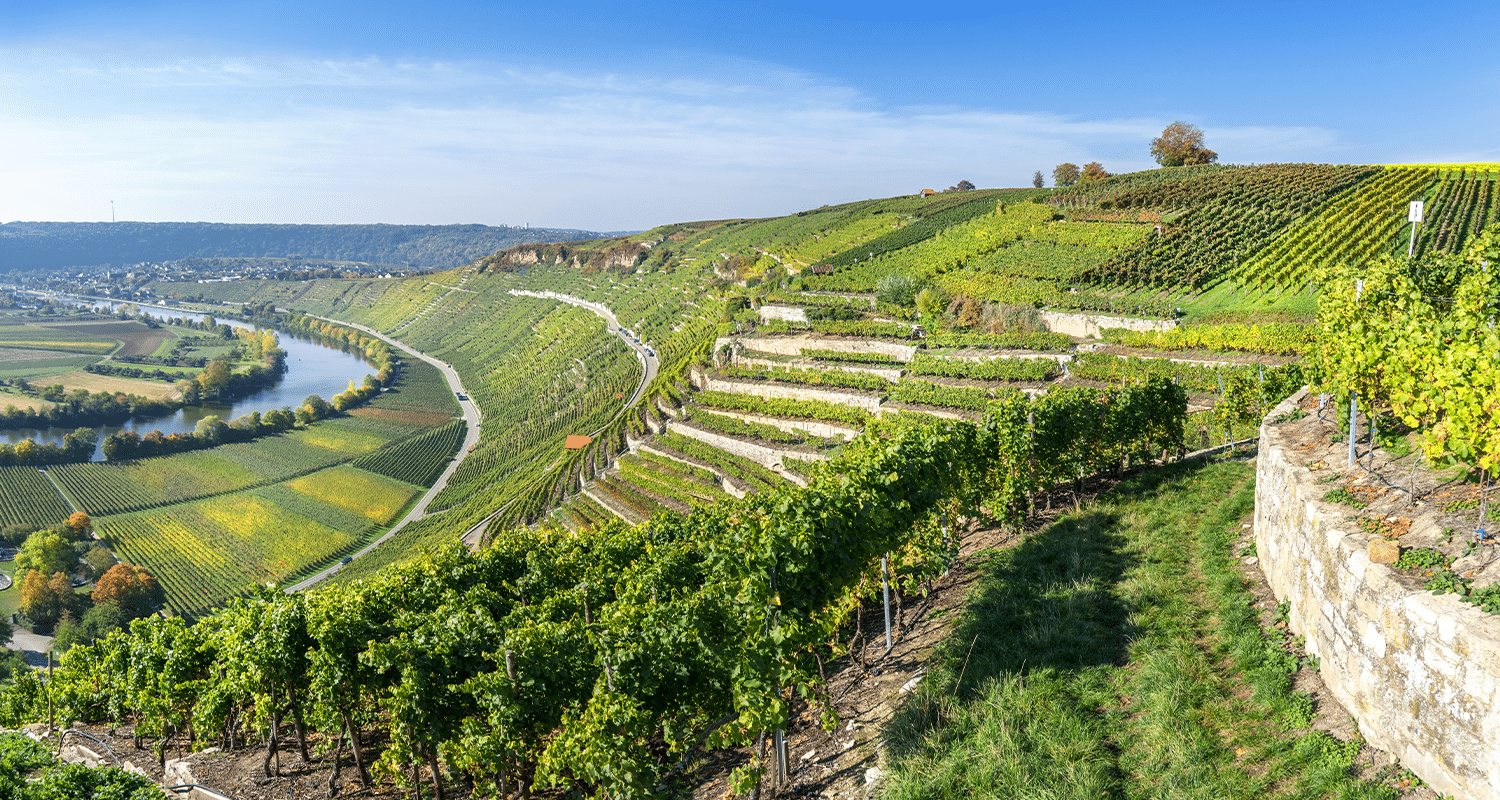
(1110, 656)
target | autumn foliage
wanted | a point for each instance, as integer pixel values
(130, 588)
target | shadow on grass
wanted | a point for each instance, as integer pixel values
(1027, 672)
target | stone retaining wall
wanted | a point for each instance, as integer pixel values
(868, 402)
(788, 313)
(1421, 672)
(827, 430)
(765, 456)
(1088, 325)
(793, 345)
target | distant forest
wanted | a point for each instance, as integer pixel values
(51, 245)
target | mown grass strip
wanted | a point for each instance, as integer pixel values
(1110, 650)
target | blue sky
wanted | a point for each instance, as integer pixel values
(613, 117)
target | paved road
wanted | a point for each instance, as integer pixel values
(649, 367)
(34, 645)
(472, 417)
(649, 363)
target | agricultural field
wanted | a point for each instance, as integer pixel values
(206, 553)
(417, 460)
(109, 384)
(373, 497)
(28, 498)
(112, 487)
(15, 333)
(135, 337)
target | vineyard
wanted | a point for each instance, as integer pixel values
(672, 583)
(1356, 227)
(28, 498)
(541, 638)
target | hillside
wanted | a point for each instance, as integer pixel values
(51, 245)
(842, 393)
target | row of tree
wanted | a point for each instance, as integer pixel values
(1180, 144)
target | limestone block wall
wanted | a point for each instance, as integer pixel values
(827, 430)
(760, 454)
(1075, 324)
(1421, 672)
(788, 313)
(892, 375)
(869, 402)
(793, 345)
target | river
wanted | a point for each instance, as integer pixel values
(311, 368)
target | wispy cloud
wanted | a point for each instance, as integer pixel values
(275, 138)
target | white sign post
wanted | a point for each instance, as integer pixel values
(1414, 216)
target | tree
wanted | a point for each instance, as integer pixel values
(96, 624)
(1181, 144)
(1037, 180)
(1094, 171)
(210, 429)
(215, 378)
(131, 589)
(44, 599)
(1065, 174)
(46, 552)
(80, 524)
(964, 186)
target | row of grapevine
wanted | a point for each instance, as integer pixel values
(851, 357)
(927, 393)
(1041, 342)
(28, 498)
(1268, 339)
(785, 408)
(994, 369)
(745, 429)
(862, 381)
(574, 661)
(417, 460)
(1358, 226)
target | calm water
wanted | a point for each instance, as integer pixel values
(310, 369)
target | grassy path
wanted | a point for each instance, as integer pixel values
(1115, 654)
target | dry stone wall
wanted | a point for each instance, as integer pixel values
(701, 381)
(1421, 672)
(760, 454)
(793, 345)
(1089, 325)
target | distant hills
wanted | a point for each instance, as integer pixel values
(52, 245)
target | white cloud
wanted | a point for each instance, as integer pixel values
(297, 139)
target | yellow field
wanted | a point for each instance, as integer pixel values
(376, 498)
(109, 384)
(342, 440)
(30, 403)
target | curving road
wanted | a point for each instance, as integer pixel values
(473, 417)
(644, 354)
